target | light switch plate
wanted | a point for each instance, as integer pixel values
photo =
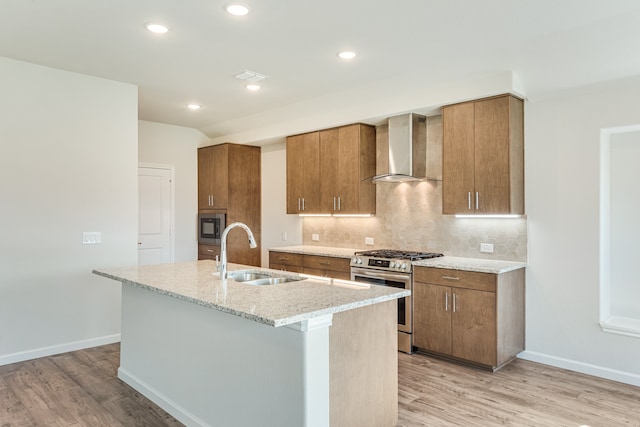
(283, 236)
(315, 237)
(486, 248)
(368, 241)
(91, 238)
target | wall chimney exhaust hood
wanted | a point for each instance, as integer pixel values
(403, 155)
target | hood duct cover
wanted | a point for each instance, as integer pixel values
(403, 155)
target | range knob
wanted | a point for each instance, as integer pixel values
(403, 266)
(359, 260)
(354, 260)
(392, 264)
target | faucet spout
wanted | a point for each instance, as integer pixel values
(223, 245)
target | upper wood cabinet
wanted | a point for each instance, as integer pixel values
(330, 171)
(229, 181)
(303, 173)
(347, 163)
(483, 157)
(213, 177)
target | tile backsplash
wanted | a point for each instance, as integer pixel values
(409, 216)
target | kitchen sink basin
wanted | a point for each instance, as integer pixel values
(261, 278)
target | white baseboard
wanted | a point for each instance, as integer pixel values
(584, 368)
(177, 411)
(57, 349)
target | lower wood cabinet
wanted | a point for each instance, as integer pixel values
(326, 266)
(468, 316)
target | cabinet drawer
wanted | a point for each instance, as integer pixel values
(208, 251)
(456, 278)
(285, 258)
(327, 263)
(284, 267)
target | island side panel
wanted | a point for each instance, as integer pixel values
(209, 368)
(364, 366)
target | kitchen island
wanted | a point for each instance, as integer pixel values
(212, 352)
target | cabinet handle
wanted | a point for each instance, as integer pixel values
(450, 278)
(339, 203)
(454, 303)
(209, 250)
(283, 258)
(334, 203)
(324, 263)
(446, 301)
(469, 200)
(299, 209)
(477, 204)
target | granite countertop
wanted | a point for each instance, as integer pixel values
(274, 305)
(317, 250)
(478, 265)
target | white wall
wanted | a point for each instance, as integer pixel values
(178, 146)
(68, 165)
(562, 137)
(275, 220)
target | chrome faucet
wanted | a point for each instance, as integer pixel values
(223, 244)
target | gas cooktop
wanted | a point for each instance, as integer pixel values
(398, 254)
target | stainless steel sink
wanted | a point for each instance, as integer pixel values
(262, 278)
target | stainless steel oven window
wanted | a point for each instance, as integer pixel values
(401, 281)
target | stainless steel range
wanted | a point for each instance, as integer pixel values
(389, 267)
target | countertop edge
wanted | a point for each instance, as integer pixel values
(477, 265)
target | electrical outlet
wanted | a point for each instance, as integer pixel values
(315, 237)
(486, 248)
(283, 236)
(368, 241)
(91, 238)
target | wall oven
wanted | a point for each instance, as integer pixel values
(210, 227)
(388, 267)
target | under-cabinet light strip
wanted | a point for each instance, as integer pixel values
(487, 216)
(338, 215)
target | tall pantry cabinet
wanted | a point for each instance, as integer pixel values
(229, 182)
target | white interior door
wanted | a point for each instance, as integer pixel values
(155, 214)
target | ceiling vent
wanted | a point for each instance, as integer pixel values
(250, 76)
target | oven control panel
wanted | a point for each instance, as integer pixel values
(381, 263)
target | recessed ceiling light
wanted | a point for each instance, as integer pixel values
(157, 28)
(347, 54)
(193, 106)
(237, 9)
(253, 87)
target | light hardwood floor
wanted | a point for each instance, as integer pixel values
(81, 389)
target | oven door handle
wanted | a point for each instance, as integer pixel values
(377, 275)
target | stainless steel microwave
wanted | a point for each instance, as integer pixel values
(210, 227)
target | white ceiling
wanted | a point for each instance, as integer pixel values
(414, 55)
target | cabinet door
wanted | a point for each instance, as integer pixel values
(212, 177)
(348, 188)
(432, 307)
(330, 170)
(205, 173)
(220, 183)
(458, 159)
(303, 173)
(474, 326)
(492, 153)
